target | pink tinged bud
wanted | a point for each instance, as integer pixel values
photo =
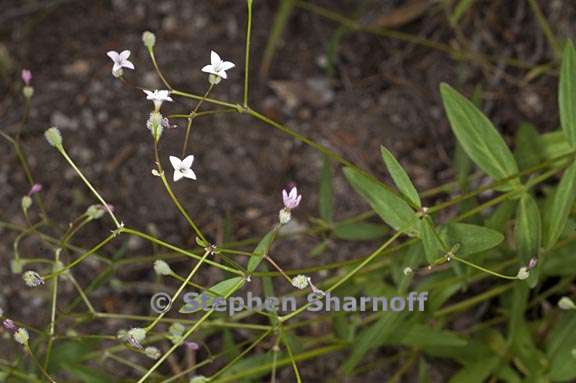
(533, 262)
(26, 76)
(192, 346)
(134, 343)
(291, 200)
(36, 188)
(9, 325)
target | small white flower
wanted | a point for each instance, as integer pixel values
(408, 271)
(523, 273)
(152, 353)
(292, 199)
(182, 168)
(120, 61)
(21, 336)
(162, 268)
(158, 97)
(217, 66)
(566, 303)
(300, 282)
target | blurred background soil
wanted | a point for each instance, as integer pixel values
(350, 90)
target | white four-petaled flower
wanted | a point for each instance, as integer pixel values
(120, 61)
(157, 97)
(182, 168)
(292, 199)
(217, 66)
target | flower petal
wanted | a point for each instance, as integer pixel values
(187, 162)
(128, 64)
(189, 173)
(222, 74)
(113, 55)
(125, 54)
(227, 65)
(208, 69)
(214, 58)
(149, 93)
(178, 175)
(176, 162)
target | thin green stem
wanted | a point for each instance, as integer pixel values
(247, 50)
(89, 185)
(191, 118)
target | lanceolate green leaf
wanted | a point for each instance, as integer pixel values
(471, 238)
(261, 250)
(567, 93)
(528, 228)
(478, 136)
(400, 177)
(562, 202)
(391, 208)
(222, 289)
(430, 240)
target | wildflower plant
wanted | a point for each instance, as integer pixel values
(502, 249)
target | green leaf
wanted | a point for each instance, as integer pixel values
(430, 240)
(223, 289)
(392, 209)
(422, 337)
(471, 238)
(478, 137)
(528, 146)
(559, 346)
(567, 93)
(563, 200)
(360, 231)
(261, 249)
(528, 233)
(401, 179)
(326, 199)
(371, 337)
(476, 372)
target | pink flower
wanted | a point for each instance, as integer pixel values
(292, 199)
(26, 76)
(9, 325)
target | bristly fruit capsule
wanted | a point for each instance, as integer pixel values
(54, 137)
(149, 39)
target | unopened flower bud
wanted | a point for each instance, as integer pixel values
(26, 202)
(32, 279)
(26, 76)
(533, 262)
(54, 137)
(162, 268)
(566, 303)
(9, 325)
(21, 336)
(193, 346)
(149, 39)
(36, 188)
(300, 282)
(152, 353)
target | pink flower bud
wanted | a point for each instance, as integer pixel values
(36, 188)
(533, 262)
(192, 346)
(26, 76)
(291, 200)
(9, 325)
